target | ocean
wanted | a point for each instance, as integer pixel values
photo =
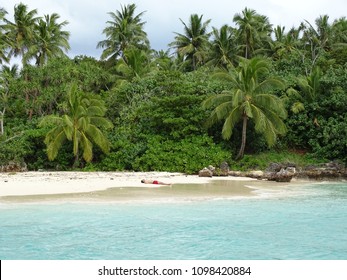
(183, 222)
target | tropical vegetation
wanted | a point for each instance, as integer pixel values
(245, 93)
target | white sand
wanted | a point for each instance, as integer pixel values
(36, 183)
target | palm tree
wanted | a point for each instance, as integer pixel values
(223, 51)
(192, 45)
(253, 31)
(317, 40)
(310, 88)
(339, 40)
(249, 98)
(339, 31)
(7, 75)
(21, 32)
(81, 125)
(134, 64)
(285, 43)
(162, 60)
(124, 30)
(4, 44)
(50, 39)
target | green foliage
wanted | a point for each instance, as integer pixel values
(187, 155)
(249, 97)
(25, 145)
(127, 145)
(155, 104)
(262, 160)
(82, 124)
(321, 129)
(330, 141)
(14, 148)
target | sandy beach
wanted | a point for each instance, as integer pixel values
(49, 183)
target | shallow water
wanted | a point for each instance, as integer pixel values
(181, 222)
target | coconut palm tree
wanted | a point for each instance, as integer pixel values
(339, 31)
(339, 40)
(162, 60)
(193, 43)
(50, 39)
(310, 89)
(124, 30)
(253, 31)
(21, 32)
(223, 51)
(3, 38)
(285, 42)
(134, 64)
(81, 124)
(7, 75)
(316, 40)
(250, 97)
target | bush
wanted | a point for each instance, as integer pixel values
(261, 161)
(187, 155)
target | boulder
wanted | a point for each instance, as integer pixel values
(224, 169)
(276, 167)
(330, 170)
(257, 174)
(205, 172)
(236, 173)
(13, 166)
(212, 168)
(284, 175)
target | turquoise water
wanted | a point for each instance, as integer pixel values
(310, 224)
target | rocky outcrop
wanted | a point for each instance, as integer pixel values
(275, 172)
(283, 172)
(205, 172)
(13, 166)
(284, 175)
(330, 170)
(280, 172)
(224, 169)
(256, 174)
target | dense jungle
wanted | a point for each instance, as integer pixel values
(247, 93)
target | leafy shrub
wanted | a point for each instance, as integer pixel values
(187, 155)
(261, 161)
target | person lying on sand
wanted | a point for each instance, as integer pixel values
(155, 182)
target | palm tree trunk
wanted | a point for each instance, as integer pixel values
(243, 141)
(2, 116)
(76, 162)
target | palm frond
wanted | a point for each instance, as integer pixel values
(54, 143)
(87, 146)
(230, 122)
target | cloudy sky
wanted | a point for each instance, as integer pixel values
(87, 18)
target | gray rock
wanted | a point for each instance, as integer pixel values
(224, 169)
(281, 176)
(205, 172)
(257, 174)
(13, 166)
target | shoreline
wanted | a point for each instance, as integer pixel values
(127, 186)
(41, 183)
